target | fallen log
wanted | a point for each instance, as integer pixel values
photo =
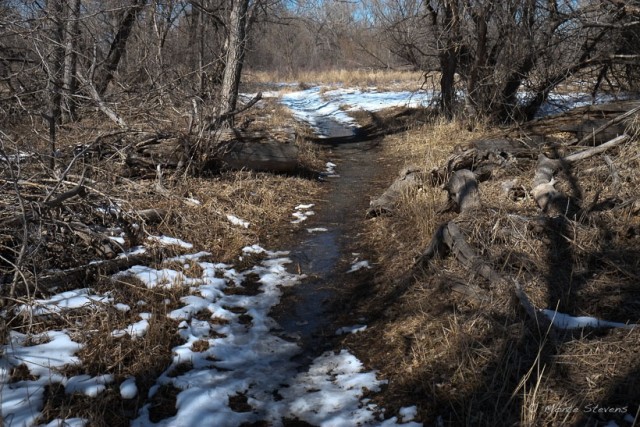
(594, 124)
(615, 121)
(269, 156)
(408, 179)
(448, 239)
(463, 191)
(544, 192)
(85, 273)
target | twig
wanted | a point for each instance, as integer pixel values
(613, 172)
(101, 104)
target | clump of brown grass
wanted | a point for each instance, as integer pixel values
(400, 238)
(485, 362)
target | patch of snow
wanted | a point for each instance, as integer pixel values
(22, 401)
(68, 422)
(152, 277)
(119, 240)
(170, 241)
(304, 207)
(136, 250)
(301, 216)
(351, 329)
(302, 212)
(316, 230)
(253, 249)
(79, 298)
(359, 266)
(315, 105)
(122, 307)
(237, 221)
(87, 385)
(330, 170)
(128, 388)
(330, 392)
(135, 330)
(565, 321)
(408, 413)
(245, 357)
(190, 201)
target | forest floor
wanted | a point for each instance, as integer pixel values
(262, 299)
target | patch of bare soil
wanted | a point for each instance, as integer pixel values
(466, 262)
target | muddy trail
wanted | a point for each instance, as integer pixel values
(326, 247)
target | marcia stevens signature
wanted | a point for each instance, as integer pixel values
(589, 409)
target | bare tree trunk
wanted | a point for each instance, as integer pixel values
(200, 35)
(449, 59)
(118, 46)
(70, 81)
(55, 70)
(234, 57)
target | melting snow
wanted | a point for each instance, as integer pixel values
(302, 213)
(316, 105)
(170, 241)
(351, 329)
(78, 298)
(359, 266)
(330, 170)
(128, 388)
(316, 230)
(565, 321)
(237, 221)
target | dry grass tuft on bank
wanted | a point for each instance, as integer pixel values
(456, 337)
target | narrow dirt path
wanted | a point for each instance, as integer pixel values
(326, 243)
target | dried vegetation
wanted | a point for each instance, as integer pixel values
(68, 227)
(456, 334)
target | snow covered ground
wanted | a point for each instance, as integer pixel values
(315, 105)
(244, 355)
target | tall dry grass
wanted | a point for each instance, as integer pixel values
(363, 77)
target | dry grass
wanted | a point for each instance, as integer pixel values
(264, 200)
(396, 79)
(477, 363)
(426, 145)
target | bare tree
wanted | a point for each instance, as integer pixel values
(118, 46)
(72, 37)
(234, 56)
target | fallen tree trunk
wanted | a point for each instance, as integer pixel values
(267, 156)
(231, 149)
(594, 124)
(408, 179)
(449, 239)
(85, 273)
(615, 121)
(463, 191)
(544, 192)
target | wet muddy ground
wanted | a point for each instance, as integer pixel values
(313, 310)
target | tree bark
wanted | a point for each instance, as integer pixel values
(55, 70)
(70, 81)
(385, 204)
(234, 57)
(118, 46)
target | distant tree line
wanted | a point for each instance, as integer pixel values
(485, 54)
